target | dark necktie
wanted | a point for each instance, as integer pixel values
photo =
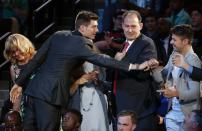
(126, 44)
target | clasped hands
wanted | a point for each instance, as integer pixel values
(147, 65)
(91, 76)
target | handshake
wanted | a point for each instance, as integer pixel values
(147, 65)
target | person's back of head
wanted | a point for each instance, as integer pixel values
(193, 121)
(71, 120)
(13, 121)
(127, 120)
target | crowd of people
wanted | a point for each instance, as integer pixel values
(143, 74)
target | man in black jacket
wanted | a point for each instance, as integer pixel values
(48, 90)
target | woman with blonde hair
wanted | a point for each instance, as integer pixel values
(19, 50)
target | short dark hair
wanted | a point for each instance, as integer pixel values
(198, 117)
(132, 12)
(75, 112)
(84, 18)
(184, 31)
(130, 113)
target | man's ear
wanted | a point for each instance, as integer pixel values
(185, 41)
(82, 28)
(141, 25)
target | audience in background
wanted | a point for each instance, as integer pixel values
(164, 48)
(16, 10)
(114, 38)
(110, 10)
(178, 14)
(196, 16)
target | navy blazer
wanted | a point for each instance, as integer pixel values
(134, 88)
(55, 60)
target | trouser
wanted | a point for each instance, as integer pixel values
(41, 116)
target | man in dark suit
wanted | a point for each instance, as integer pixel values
(133, 90)
(48, 90)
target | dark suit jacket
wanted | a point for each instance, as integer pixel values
(196, 74)
(55, 60)
(134, 88)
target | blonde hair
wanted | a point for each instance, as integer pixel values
(21, 43)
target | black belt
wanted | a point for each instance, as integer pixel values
(182, 102)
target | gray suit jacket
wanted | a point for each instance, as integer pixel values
(187, 87)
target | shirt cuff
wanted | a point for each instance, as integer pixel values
(190, 69)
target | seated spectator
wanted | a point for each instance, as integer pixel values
(127, 120)
(178, 14)
(17, 10)
(110, 10)
(193, 121)
(71, 120)
(113, 39)
(150, 25)
(196, 16)
(164, 48)
(13, 121)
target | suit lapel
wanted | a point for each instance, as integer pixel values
(134, 50)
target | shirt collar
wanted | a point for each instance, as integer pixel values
(130, 42)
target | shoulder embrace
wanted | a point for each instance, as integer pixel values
(194, 60)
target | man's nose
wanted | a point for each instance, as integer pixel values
(129, 29)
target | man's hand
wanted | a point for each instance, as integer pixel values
(150, 64)
(170, 92)
(15, 92)
(178, 60)
(119, 55)
(153, 63)
(144, 66)
(91, 76)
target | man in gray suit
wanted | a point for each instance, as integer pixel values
(48, 90)
(183, 91)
